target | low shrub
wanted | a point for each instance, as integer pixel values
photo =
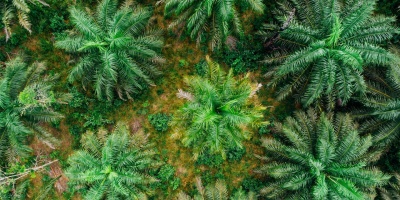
(236, 154)
(200, 67)
(95, 120)
(160, 121)
(210, 160)
(167, 178)
(183, 63)
(264, 129)
(244, 58)
(252, 184)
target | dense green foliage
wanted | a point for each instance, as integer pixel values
(208, 159)
(216, 21)
(217, 109)
(118, 53)
(325, 48)
(244, 57)
(113, 166)
(159, 121)
(320, 158)
(50, 20)
(167, 178)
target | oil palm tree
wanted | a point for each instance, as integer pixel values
(382, 102)
(216, 191)
(11, 9)
(118, 52)
(26, 100)
(113, 166)
(325, 46)
(380, 116)
(211, 19)
(218, 111)
(319, 158)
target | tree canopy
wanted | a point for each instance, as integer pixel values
(219, 110)
(26, 100)
(117, 51)
(320, 157)
(113, 166)
(325, 48)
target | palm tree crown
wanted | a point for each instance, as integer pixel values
(218, 18)
(218, 110)
(16, 8)
(113, 166)
(319, 158)
(26, 99)
(326, 46)
(118, 53)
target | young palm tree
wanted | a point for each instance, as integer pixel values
(211, 19)
(9, 9)
(325, 46)
(217, 191)
(26, 100)
(118, 53)
(218, 111)
(319, 158)
(383, 106)
(113, 166)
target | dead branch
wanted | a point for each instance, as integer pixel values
(184, 95)
(11, 178)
